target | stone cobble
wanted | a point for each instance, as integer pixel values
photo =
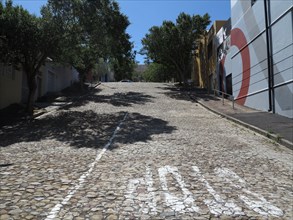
(169, 158)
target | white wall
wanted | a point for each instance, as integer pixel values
(249, 58)
(58, 77)
(52, 78)
(10, 85)
(283, 58)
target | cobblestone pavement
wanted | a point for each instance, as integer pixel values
(141, 151)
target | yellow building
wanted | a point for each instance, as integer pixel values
(205, 63)
(200, 75)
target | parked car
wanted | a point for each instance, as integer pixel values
(125, 80)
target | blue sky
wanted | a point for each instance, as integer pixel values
(143, 14)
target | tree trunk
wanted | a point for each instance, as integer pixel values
(183, 78)
(32, 85)
(179, 78)
(82, 80)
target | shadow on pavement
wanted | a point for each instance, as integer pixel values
(203, 96)
(116, 99)
(15, 113)
(12, 114)
(175, 93)
(84, 129)
(186, 93)
(139, 127)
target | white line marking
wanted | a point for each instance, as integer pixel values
(151, 190)
(218, 205)
(148, 201)
(132, 186)
(261, 205)
(184, 204)
(53, 213)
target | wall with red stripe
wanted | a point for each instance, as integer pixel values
(250, 62)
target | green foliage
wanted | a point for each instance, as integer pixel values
(156, 73)
(26, 38)
(100, 69)
(123, 67)
(173, 44)
(95, 29)
(26, 42)
(79, 32)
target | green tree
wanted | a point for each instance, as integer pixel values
(26, 42)
(95, 29)
(78, 32)
(120, 47)
(173, 44)
(77, 47)
(156, 73)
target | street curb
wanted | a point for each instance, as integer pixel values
(273, 137)
(43, 114)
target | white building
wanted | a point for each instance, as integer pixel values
(260, 58)
(51, 78)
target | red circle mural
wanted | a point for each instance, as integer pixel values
(238, 39)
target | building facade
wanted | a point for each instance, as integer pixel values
(260, 57)
(52, 78)
(250, 56)
(224, 79)
(10, 85)
(205, 63)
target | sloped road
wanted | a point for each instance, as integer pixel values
(141, 151)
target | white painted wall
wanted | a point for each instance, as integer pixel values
(10, 85)
(250, 20)
(52, 78)
(58, 77)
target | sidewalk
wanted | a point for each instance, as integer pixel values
(276, 127)
(15, 113)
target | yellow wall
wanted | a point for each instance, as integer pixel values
(200, 69)
(212, 60)
(205, 66)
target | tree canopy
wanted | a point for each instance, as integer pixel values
(95, 29)
(78, 32)
(173, 44)
(26, 42)
(156, 73)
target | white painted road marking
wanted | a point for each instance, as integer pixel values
(150, 189)
(218, 205)
(53, 213)
(149, 197)
(261, 205)
(184, 204)
(132, 186)
(177, 204)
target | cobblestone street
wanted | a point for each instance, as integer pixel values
(141, 151)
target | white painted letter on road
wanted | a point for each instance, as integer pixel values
(217, 205)
(183, 204)
(259, 204)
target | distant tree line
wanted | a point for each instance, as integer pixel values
(170, 47)
(78, 32)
